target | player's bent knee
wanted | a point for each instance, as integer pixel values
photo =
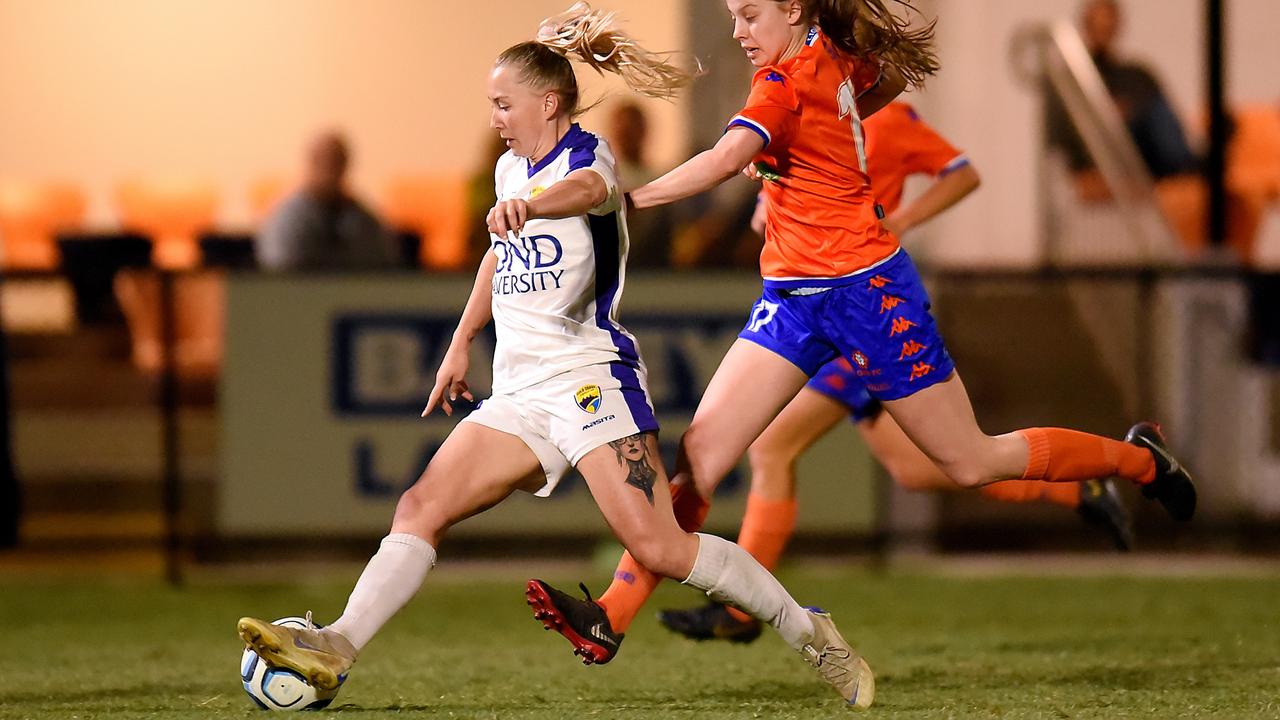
(660, 555)
(418, 514)
(699, 457)
(967, 477)
(770, 458)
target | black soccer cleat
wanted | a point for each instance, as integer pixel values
(582, 622)
(712, 621)
(1101, 506)
(1173, 486)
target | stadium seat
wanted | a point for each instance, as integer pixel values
(199, 317)
(31, 216)
(436, 209)
(172, 214)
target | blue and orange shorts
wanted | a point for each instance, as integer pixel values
(839, 381)
(879, 319)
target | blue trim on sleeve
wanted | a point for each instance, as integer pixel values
(743, 122)
(954, 165)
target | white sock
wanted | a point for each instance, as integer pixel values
(728, 574)
(391, 578)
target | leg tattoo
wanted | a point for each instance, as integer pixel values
(633, 454)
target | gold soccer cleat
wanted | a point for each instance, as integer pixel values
(838, 663)
(323, 658)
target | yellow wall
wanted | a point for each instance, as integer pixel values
(96, 91)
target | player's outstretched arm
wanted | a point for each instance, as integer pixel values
(579, 192)
(942, 194)
(703, 171)
(451, 377)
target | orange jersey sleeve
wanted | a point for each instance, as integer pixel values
(772, 109)
(899, 145)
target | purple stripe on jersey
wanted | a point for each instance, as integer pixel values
(575, 138)
(583, 154)
(605, 241)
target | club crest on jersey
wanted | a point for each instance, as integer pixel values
(860, 359)
(589, 398)
(536, 192)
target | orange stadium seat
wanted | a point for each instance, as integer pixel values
(172, 214)
(31, 216)
(436, 209)
(200, 300)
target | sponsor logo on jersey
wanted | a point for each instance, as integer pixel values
(536, 192)
(527, 264)
(589, 398)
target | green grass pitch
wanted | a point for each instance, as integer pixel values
(942, 647)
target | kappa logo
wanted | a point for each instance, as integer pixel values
(919, 370)
(878, 282)
(761, 315)
(901, 325)
(910, 348)
(775, 77)
(889, 302)
(589, 398)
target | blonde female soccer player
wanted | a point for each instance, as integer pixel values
(837, 283)
(569, 387)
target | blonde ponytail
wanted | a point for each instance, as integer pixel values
(594, 38)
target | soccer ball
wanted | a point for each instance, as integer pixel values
(272, 688)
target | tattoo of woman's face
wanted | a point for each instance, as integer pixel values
(633, 454)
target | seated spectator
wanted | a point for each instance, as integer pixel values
(321, 227)
(650, 231)
(1146, 110)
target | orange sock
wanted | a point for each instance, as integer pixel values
(1059, 455)
(1024, 491)
(632, 583)
(766, 528)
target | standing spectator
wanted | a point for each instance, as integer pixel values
(321, 226)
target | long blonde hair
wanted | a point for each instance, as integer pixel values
(867, 28)
(594, 38)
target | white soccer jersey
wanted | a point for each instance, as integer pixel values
(556, 288)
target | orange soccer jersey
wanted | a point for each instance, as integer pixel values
(899, 145)
(822, 219)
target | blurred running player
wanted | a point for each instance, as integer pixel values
(837, 283)
(569, 387)
(899, 145)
